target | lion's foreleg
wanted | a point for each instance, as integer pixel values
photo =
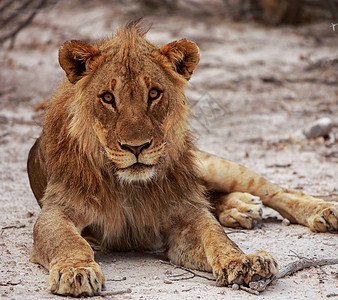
(59, 247)
(199, 242)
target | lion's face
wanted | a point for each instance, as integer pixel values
(130, 117)
(131, 93)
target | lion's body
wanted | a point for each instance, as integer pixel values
(124, 216)
(116, 162)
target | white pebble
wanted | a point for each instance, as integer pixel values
(321, 127)
(286, 222)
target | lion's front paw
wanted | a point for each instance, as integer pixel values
(240, 209)
(324, 218)
(76, 279)
(244, 269)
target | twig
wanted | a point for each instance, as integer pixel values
(332, 295)
(14, 226)
(279, 166)
(295, 254)
(305, 263)
(6, 5)
(119, 279)
(333, 26)
(178, 277)
(11, 226)
(187, 270)
(13, 15)
(24, 11)
(13, 34)
(291, 268)
(10, 283)
(105, 294)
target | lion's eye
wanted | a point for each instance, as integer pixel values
(108, 98)
(154, 94)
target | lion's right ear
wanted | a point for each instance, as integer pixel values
(74, 58)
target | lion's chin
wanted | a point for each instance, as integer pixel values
(136, 173)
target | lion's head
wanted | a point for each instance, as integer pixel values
(129, 94)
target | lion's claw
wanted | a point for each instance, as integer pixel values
(240, 209)
(325, 218)
(244, 269)
(76, 279)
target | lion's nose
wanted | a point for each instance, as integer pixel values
(135, 149)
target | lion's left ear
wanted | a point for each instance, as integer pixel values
(184, 56)
(74, 58)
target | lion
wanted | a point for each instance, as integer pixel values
(116, 163)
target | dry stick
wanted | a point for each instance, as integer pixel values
(10, 283)
(306, 263)
(105, 294)
(6, 5)
(24, 11)
(291, 268)
(187, 270)
(332, 295)
(119, 279)
(10, 227)
(12, 16)
(14, 226)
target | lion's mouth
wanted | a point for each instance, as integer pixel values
(138, 166)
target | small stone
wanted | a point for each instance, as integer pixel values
(321, 127)
(235, 286)
(2, 244)
(167, 281)
(286, 222)
(29, 214)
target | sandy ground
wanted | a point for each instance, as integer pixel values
(253, 92)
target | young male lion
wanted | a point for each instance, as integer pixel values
(116, 162)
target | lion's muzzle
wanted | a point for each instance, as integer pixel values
(136, 149)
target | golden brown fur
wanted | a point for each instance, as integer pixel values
(116, 162)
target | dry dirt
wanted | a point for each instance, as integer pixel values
(254, 91)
